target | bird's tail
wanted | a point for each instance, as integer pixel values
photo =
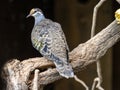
(64, 68)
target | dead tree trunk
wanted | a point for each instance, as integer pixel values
(23, 75)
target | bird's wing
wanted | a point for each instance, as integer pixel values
(59, 45)
(50, 40)
(61, 33)
(59, 50)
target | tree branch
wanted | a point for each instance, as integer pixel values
(19, 75)
(99, 73)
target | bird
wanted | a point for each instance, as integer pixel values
(48, 38)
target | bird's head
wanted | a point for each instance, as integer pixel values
(35, 12)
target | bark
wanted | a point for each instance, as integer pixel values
(19, 75)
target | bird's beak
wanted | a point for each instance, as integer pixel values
(28, 15)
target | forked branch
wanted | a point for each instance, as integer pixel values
(20, 75)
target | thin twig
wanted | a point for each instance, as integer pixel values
(94, 84)
(97, 79)
(92, 34)
(94, 16)
(80, 81)
(35, 80)
(118, 1)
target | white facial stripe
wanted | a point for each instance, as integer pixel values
(37, 14)
(40, 13)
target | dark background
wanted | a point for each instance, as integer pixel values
(15, 31)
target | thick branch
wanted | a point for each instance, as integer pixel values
(81, 56)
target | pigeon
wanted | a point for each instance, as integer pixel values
(48, 38)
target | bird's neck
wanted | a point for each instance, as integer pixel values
(39, 18)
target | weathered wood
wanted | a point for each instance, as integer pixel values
(19, 75)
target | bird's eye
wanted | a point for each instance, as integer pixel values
(35, 11)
